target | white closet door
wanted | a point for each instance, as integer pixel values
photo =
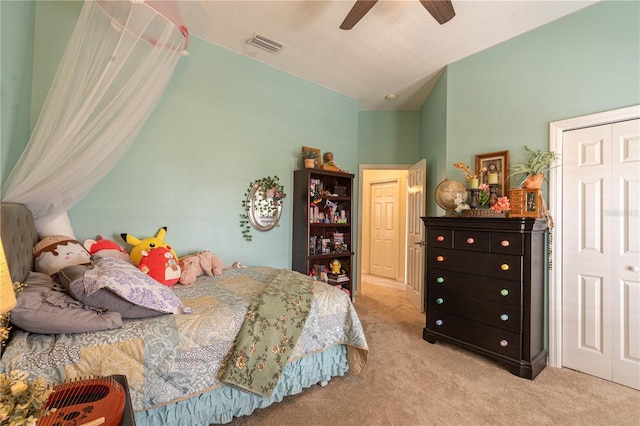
(625, 277)
(601, 292)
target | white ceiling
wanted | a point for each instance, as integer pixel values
(396, 48)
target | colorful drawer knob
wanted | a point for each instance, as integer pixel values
(440, 238)
(470, 240)
(504, 267)
(504, 292)
(440, 280)
(504, 343)
(504, 317)
(440, 258)
(439, 300)
(505, 243)
(439, 322)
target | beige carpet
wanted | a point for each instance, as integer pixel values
(411, 382)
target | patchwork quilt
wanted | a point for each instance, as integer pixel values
(170, 358)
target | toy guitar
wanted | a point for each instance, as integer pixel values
(89, 402)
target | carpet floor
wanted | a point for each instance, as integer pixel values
(408, 381)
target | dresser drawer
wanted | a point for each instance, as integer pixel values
(487, 288)
(495, 314)
(503, 266)
(464, 239)
(499, 341)
(506, 243)
(440, 238)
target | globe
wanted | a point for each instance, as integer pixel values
(446, 192)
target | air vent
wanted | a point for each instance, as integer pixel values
(265, 43)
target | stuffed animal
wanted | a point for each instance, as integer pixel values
(210, 263)
(105, 248)
(146, 244)
(160, 264)
(200, 263)
(190, 269)
(55, 252)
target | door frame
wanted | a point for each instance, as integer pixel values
(556, 129)
(358, 253)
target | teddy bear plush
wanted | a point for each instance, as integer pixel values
(211, 264)
(200, 263)
(190, 269)
(55, 252)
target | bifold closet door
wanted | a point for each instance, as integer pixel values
(601, 251)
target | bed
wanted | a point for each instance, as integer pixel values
(175, 363)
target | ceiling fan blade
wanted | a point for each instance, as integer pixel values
(441, 10)
(356, 13)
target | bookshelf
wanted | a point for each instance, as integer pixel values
(322, 225)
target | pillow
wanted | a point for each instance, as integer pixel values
(47, 309)
(54, 252)
(130, 283)
(72, 279)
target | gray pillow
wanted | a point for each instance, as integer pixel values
(45, 308)
(72, 279)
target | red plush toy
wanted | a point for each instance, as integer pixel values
(160, 264)
(105, 248)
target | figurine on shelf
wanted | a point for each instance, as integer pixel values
(329, 164)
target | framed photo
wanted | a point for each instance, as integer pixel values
(317, 151)
(525, 203)
(495, 162)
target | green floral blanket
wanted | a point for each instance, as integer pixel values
(268, 335)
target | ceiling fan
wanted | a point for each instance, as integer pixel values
(441, 10)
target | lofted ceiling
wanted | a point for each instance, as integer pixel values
(397, 48)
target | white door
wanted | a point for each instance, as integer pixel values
(385, 229)
(601, 251)
(416, 208)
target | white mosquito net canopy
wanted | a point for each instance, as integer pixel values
(114, 70)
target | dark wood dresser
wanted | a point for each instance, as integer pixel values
(485, 288)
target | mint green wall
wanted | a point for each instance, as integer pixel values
(388, 137)
(224, 121)
(16, 44)
(505, 97)
(433, 139)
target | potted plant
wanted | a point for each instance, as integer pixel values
(310, 158)
(533, 169)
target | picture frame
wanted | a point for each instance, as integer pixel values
(526, 202)
(317, 151)
(495, 161)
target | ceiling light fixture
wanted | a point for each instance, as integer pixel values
(391, 97)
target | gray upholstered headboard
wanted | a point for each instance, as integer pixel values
(18, 238)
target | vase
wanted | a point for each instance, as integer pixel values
(534, 181)
(309, 163)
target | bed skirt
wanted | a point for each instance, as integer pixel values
(221, 405)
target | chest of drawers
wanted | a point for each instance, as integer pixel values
(485, 288)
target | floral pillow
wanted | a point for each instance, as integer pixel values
(72, 279)
(128, 282)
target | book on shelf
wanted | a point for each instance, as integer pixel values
(337, 277)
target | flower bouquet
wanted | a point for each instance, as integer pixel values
(22, 401)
